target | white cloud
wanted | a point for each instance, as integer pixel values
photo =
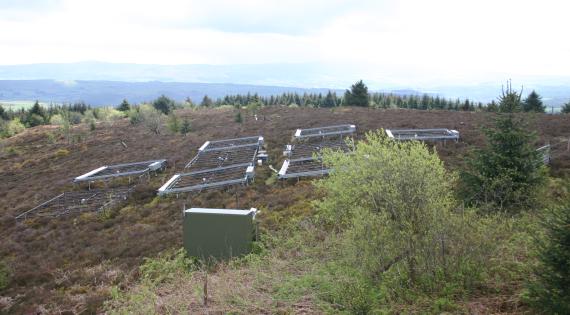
(408, 40)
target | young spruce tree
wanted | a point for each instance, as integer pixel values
(507, 173)
(533, 103)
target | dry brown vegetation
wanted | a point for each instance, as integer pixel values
(69, 263)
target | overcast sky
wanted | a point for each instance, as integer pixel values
(441, 38)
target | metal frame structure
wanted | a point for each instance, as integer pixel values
(545, 152)
(324, 131)
(306, 150)
(121, 170)
(75, 202)
(301, 160)
(208, 179)
(221, 153)
(435, 134)
(307, 167)
(238, 156)
(232, 143)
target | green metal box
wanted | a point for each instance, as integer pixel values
(218, 233)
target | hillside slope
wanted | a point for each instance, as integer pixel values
(69, 263)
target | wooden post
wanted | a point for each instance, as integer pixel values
(206, 289)
(237, 199)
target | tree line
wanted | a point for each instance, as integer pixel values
(358, 95)
(14, 121)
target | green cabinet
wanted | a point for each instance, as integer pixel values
(218, 233)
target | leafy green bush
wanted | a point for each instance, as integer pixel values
(11, 128)
(148, 116)
(392, 202)
(166, 267)
(551, 291)
(173, 123)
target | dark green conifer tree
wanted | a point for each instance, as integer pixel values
(357, 95)
(124, 106)
(164, 104)
(533, 103)
(508, 172)
(207, 102)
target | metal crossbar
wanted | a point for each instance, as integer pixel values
(74, 202)
(122, 170)
(423, 134)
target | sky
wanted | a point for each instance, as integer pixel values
(415, 40)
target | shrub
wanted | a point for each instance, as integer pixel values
(550, 293)
(173, 123)
(35, 120)
(75, 118)
(392, 203)
(4, 276)
(238, 117)
(565, 109)
(148, 116)
(166, 267)
(12, 128)
(109, 115)
(61, 153)
(56, 119)
(186, 126)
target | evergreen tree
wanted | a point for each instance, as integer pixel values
(3, 113)
(207, 102)
(36, 115)
(357, 95)
(330, 100)
(510, 100)
(507, 173)
(565, 108)
(185, 128)
(189, 102)
(533, 103)
(492, 107)
(550, 293)
(124, 106)
(238, 117)
(173, 123)
(164, 104)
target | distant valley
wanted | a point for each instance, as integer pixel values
(99, 83)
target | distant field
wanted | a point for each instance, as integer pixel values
(16, 105)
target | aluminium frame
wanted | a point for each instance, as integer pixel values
(75, 202)
(215, 178)
(433, 134)
(121, 170)
(324, 131)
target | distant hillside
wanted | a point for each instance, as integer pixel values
(100, 93)
(101, 83)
